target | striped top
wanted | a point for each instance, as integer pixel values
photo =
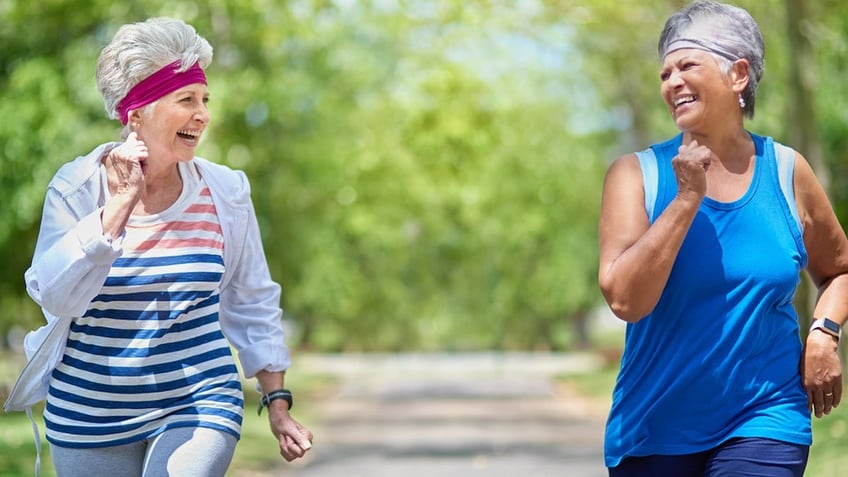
(149, 354)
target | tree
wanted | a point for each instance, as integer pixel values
(426, 174)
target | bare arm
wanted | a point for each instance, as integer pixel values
(827, 252)
(636, 257)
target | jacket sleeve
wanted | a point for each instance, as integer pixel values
(250, 313)
(72, 255)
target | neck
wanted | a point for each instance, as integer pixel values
(731, 145)
(161, 189)
(163, 178)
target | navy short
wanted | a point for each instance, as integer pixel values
(745, 457)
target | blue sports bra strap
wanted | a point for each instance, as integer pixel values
(650, 179)
(785, 157)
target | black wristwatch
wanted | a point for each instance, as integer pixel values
(284, 394)
(828, 326)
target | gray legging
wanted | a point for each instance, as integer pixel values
(183, 452)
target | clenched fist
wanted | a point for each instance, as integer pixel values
(129, 161)
(690, 168)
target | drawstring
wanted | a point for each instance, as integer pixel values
(37, 442)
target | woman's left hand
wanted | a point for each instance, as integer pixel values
(294, 439)
(821, 373)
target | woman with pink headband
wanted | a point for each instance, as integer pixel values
(149, 267)
(702, 241)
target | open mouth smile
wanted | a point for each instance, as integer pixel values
(190, 136)
(684, 100)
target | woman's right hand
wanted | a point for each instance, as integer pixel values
(690, 167)
(128, 161)
(126, 180)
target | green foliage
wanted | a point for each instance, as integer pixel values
(427, 174)
(829, 35)
(830, 435)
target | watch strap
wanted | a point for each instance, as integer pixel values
(828, 326)
(283, 394)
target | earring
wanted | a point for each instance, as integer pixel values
(134, 126)
(741, 101)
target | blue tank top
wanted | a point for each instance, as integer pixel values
(718, 356)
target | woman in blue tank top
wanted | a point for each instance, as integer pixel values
(702, 239)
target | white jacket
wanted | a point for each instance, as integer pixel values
(73, 257)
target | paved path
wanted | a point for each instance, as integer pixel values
(453, 416)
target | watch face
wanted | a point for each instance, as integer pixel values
(832, 326)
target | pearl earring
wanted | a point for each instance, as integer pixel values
(741, 101)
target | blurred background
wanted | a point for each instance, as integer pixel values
(427, 174)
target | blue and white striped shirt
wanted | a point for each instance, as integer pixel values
(149, 354)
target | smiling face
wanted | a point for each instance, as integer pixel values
(698, 94)
(172, 126)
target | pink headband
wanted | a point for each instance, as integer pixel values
(160, 83)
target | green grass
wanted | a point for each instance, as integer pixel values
(830, 439)
(17, 445)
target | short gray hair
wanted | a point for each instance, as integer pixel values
(140, 49)
(727, 31)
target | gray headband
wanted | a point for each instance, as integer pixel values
(706, 45)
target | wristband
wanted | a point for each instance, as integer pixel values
(828, 326)
(284, 394)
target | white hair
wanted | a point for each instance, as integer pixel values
(140, 49)
(727, 31)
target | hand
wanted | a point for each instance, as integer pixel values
(128, 161)
(821, 373)
(294, 439)
(690, 167)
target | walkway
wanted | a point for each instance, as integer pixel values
(452, 415)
